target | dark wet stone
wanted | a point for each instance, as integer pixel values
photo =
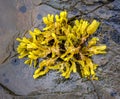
(105, 1)
(39, 16)
(15, 61)
(1, 88)
(43, 25)
(57, 12)
(110, 0)
(113, 94)
(23, 9)
(116, 5)
(6, 80)
(115, 19)
(74, 11)
(101, 11)
(4, 74)
(115, 36)
(105, 40)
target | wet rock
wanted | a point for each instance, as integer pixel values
(90, 96)
(50, 83)
(21, 16)
(8, 23)
(41, 11)
(23, 9)
(19, 80)
(114, 66)
(102, 60)
(108, 79)
(5, 96)
(88, 2)
(115, 36)
(3, 91)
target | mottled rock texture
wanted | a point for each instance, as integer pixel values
(19, 16)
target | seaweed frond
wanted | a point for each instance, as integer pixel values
(62, 47)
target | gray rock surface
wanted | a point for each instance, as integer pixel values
(19, 16)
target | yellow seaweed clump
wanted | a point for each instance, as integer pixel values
(63, 47)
